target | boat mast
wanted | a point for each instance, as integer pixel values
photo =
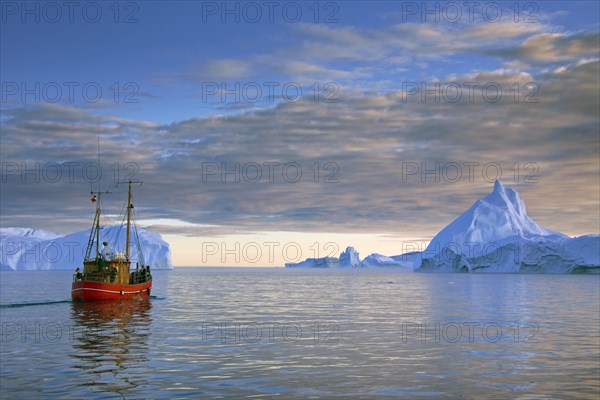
(98, 228)
(129, 207)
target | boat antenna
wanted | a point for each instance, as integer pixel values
(98, 156)
(95, 232)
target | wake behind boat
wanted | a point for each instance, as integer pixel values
(107, 274)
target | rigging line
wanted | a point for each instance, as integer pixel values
(141, 259)
(136, 235)
(118, 235)
(122, 225)
(139, 243)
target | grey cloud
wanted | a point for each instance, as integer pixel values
(366, 138)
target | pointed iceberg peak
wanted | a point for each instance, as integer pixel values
(503, 196)
(498, 187)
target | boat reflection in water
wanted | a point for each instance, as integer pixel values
(110, 345)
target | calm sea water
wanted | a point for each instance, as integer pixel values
(305, 334)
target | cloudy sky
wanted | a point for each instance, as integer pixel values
(267, 132)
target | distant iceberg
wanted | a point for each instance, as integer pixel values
(35, 249)
(351, 259)
(325, 262)
(412, 259)
(348, 258)
(379, 260)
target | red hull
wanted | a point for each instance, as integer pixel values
(100, 291)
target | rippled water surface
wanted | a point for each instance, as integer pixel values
(305, 334)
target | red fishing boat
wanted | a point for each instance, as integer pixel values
(108, 274)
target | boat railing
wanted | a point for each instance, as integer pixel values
(137, 277)
(134, 277)
(94, 276)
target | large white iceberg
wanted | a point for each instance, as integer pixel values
(34, 249)
(497, 235)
